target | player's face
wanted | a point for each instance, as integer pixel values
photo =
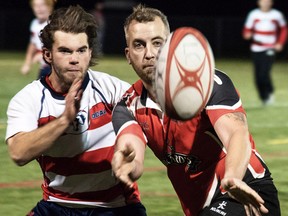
(69, 59)
(265, 5)
(143, 43)
(41, 10)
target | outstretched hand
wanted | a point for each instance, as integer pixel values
(73, 99)
(240, 191)
(123, 164)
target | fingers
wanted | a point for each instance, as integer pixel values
(73, 99)
(75, 88)
(122, 167)
(253, 211)
(123, 164)
(239, 190)
(129, 153)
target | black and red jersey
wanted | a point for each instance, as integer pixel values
(191, 150)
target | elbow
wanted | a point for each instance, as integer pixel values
(17, 156)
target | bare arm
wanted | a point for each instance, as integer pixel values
(247, 35)
(25, 146)
(31, 50)
(232, 129)
(128, 159)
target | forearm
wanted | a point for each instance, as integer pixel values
(26, 146)
(131, 149)
(238, 155)
(31, 49)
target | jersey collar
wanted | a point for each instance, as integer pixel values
(57, 95)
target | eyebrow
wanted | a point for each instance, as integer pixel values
(154, 38)
(63, 47)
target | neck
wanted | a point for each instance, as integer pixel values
(150, 90)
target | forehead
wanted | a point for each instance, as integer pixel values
(265, 1)
(146, 30)
(70, 40)
(39, 2)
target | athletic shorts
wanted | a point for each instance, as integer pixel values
(44, 208)
(223, 205)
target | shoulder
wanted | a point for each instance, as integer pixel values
(135, 90)
(224, 91)
(29, 93)
(276, 13)
(105, 79)
(254, 12)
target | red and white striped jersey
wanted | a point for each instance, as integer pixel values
(191, 150)
(35, 28)
(268, 28)
(77, 169)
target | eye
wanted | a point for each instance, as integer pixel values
(138, 45)
(65, 51)
(82, 50)
(158, 43)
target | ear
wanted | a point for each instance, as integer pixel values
(47, 55)
(127, 54)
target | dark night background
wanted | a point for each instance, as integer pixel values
(221, 21)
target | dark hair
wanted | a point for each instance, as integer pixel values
(143, 14)
(73, 19)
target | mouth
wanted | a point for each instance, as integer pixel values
(73, 70)
(149, 66)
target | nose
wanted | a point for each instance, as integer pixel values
(151, 51)
(74, 58)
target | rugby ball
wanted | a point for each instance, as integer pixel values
(184, 74)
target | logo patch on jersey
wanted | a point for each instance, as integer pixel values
(191, 161)
(98, 114)
(79, 122)
(220, 208)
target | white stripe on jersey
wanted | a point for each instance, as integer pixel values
(212, 190)
(75, 184)
(254, 173)
(215, 107)
(117, 202)
(102, 137)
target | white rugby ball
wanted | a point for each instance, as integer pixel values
(184, 74)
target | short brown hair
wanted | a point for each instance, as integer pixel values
(143, 14)
(73, 19)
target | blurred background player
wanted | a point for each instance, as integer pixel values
(267, 29)
(63, 121)
(41, 9)
(98, 13)
(211, 159)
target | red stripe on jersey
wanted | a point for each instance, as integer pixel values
(100, 114)
(44, 120)
(265, 32)
(87, 162)
(130, 94)
(134, 129)
(256, 164)
(215, 114)
(96, 196)
(282, 35)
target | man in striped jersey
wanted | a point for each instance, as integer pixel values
(211, 159)
(64, 122)
(41, 9)
(267, 29)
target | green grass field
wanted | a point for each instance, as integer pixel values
(20, 186)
